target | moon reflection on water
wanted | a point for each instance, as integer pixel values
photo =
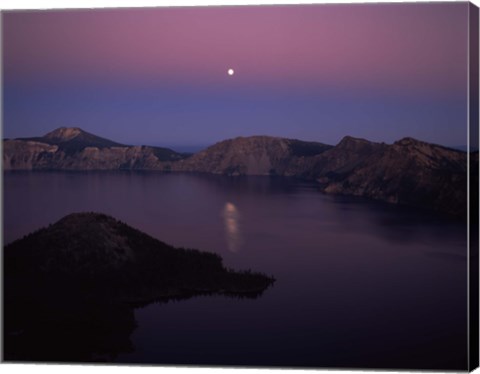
(231, 218)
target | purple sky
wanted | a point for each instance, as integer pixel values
(314, 72)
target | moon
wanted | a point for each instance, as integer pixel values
(231, 71)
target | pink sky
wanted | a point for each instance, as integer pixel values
(314, 72)
(419, 46)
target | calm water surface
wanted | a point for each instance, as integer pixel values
(358, 283)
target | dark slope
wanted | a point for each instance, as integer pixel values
(70, 288)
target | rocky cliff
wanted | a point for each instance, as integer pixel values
(407, 172)
(255, 155)
(75, 149)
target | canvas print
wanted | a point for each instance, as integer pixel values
(267, 186)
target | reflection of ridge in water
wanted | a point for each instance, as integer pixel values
(231, 218)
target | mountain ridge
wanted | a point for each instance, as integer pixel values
(71, 148)
(408, 171)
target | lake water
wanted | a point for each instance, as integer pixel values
(359, 283)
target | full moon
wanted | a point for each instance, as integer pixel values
(230, 72)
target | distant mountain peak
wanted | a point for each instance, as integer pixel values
(64, 133)
(350, 139)
(74, 138)
(409, 141)
(413, 143)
